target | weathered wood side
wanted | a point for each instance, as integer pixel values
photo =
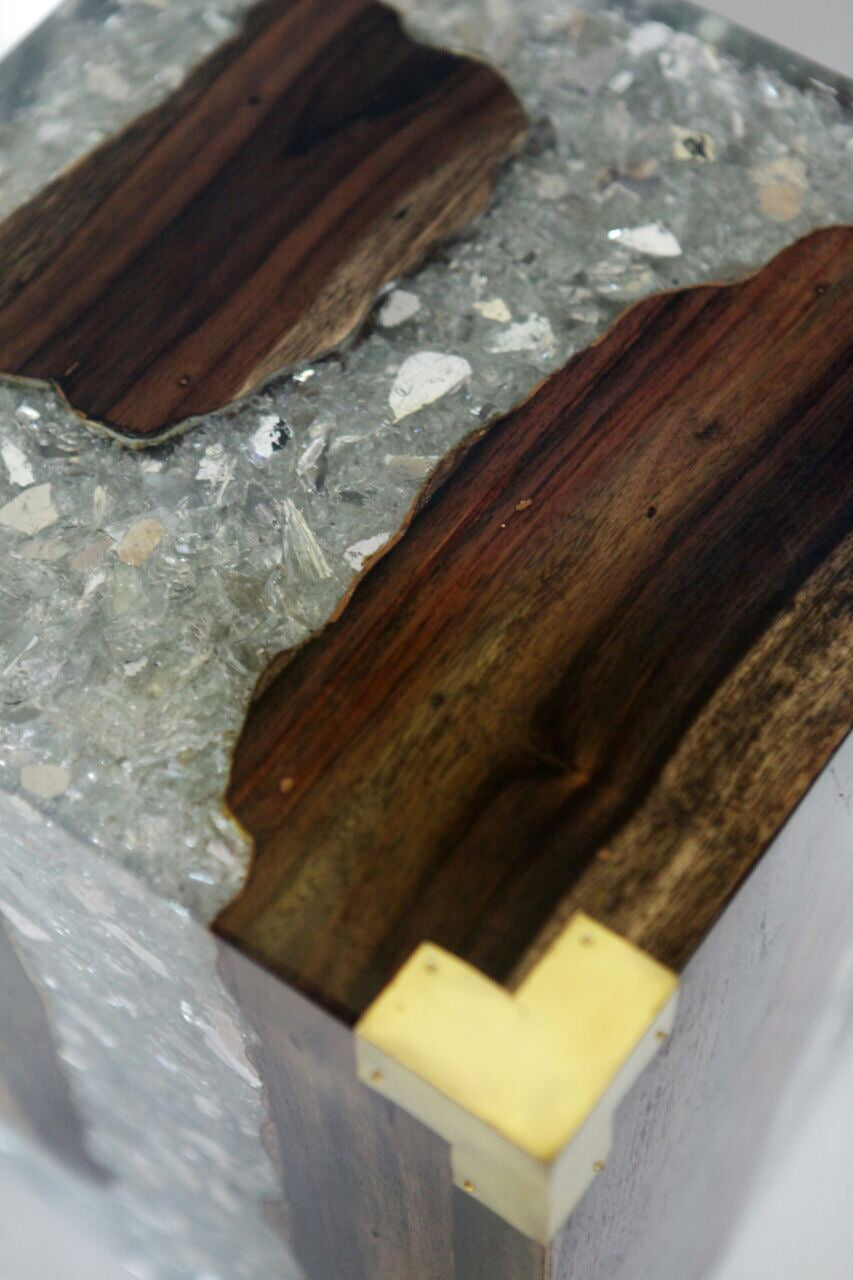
(367, 1191)
(249, 221)
(507, 685)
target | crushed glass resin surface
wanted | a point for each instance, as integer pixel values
(142, 594)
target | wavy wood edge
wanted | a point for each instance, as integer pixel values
(449, 463)
(248, 222)
(617, 899)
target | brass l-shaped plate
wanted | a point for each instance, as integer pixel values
(522, 1085)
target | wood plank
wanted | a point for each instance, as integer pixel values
(248, 222)
(366, 1191)
(507, 685)
(752, 751)
(487, 1248)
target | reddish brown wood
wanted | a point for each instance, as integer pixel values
(249, 221)
(523, 671)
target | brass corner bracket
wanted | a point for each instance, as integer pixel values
(522, 1085)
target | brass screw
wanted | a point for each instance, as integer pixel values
(469, 1186)
(598, 1167)
(661, 1035)
(377, 1077)
(286, 785)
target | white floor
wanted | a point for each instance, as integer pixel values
(800, 1223)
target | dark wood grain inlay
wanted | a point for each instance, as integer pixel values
(656, 535)
(248, 222)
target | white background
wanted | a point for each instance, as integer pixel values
(17, 17)
(819, 29)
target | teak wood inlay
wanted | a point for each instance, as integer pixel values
(249, 222)
(598, 669)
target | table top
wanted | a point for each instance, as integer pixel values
(144, 593)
